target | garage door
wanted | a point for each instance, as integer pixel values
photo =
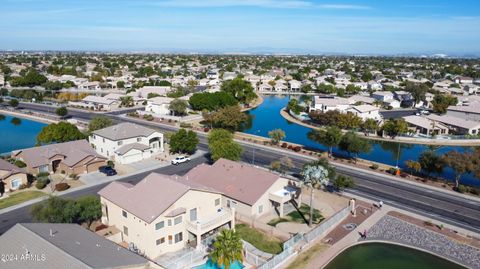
(131, 157)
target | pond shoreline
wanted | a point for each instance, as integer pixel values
(405, 140)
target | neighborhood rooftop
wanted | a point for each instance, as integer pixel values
(66, 246)
(123, 131)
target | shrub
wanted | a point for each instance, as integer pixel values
(374, 166)
(290, 147)
(206, 130)
(297, 148)
(474, 191)
(111, 163)
(73, 176)
(148, 117)
(284, 145)
(41, 183)
(23, 186)
(20, 164)
(462, 189)
(61, 186)
(392, 170)
(185, 125)
(62, 172)
(43, 174)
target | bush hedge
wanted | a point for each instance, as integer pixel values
(61, 186)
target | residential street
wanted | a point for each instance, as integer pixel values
(446, 207)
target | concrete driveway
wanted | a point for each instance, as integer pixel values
(92, 178)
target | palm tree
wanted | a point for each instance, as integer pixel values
(126, 101)
(314, 174)
(227, 249)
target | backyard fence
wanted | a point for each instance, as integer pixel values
(289, 245)
(184, 261)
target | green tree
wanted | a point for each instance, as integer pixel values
(89, 208)
(241, 89)
(369, 126)
(276, 135)
(394, 127)
(461, 163)
(126, 101)
(353, 144)
(227, 249)
(413, 166)
(98, 123)
(179, 107)
(211, 101)
(314, 175)
(231, 118)
(55, 210)
(184, 141)
(283, 165)
(120, 84)
(342, 182)
(431, 162)
(59, 132)
(221, 145)
(13, 103)
(294, 106)
(441, 102)
(367, 76)
(417, 90)
(330, 137)
(61, 111)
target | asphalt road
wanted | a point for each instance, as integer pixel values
(439, 206)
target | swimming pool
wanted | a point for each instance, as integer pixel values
(210, 265)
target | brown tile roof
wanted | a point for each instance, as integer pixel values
(10, 168)
(150, 197)
(239, 181)
(74, 152)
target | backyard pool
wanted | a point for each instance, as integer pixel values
(210, 265)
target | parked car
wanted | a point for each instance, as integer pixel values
(180, 159)
(107, 170)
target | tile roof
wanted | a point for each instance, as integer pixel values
(65, 246)
(150, 197)
(74, 152)
(239, 181)
(126, 148)
(454, 121)
(10, 168)
(123, 131)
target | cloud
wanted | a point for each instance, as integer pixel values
(343, 6)
(235, 3)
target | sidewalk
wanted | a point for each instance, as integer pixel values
(196, 155)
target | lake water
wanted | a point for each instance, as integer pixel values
(18, 134)
(383, 256)
(266, 117)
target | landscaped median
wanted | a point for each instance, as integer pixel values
(19, 197)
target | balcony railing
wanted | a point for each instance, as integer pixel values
(217, 219)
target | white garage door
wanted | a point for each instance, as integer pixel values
(132, 156)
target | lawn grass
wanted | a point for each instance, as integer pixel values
(276, 221)
(20, 197)
(304, 258)
(259, 239)
(305, 210)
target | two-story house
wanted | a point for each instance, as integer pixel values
(366, 112)
(127, 142)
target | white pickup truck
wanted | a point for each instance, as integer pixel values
(180, 159)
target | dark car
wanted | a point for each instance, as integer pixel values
(107, 170)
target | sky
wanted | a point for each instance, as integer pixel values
(255, 26)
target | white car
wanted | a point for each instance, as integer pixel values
(180, 159)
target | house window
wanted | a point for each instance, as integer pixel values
(178, 220)
(124, 213)
(119, 143)
(125, 230)
(169, 222)
(104, 140)
(217, 202)
(160, 241)
(160, 225)
(94, 136)
(231, 204)
(139, 139)
(193, 214)
(170, 239)
(260, 209)
(16, 183)
(178, 237)
(43, 168)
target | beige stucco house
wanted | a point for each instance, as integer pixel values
(11, 176)
(163, 214)
(75, 157)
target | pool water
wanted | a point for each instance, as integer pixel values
(388, 256)
(210, 265)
